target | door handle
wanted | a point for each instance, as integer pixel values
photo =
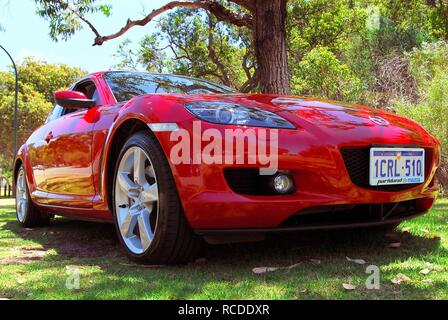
(49, 137)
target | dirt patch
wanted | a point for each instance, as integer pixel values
(24, 255)
(69, 239)
(81, 249)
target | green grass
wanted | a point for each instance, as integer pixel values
(33, 264)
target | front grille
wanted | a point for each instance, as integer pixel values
(357, 161)
(353, 214)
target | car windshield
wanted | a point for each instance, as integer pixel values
(127, 85)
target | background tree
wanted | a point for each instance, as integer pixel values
(264, 19)
(38, 81)
(196, 45)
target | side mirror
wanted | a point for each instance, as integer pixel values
(73, 100)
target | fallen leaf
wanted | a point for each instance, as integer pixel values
(348, 286)
(425, 271)
(21, 281)
(303, 291)
(424, 230)
(407, 229)
(401, 278)
(395, 245)
(263, 270)
(357, 261)
(315, 261)
(428, 264)
(293, 266)
(74, 268)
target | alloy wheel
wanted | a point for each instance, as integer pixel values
(136, 200)
(21, 196)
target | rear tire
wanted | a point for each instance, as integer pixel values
(28, 215)
(148, 214)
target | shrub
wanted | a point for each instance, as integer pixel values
(432, 113)
(427, 61)
(321, 74)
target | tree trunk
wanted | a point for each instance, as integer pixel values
(270, 46)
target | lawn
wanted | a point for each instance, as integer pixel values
(35, 264)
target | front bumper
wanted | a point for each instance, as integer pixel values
(320, 176)
(334, 218)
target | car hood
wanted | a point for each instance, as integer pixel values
(331, 120)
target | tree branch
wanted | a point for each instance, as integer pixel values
(219, 11)
(67, 6)
(212, 53)
(251, 83)
(247, 4)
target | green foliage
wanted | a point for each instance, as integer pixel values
(432, 111)
(194, 44)
(323, 75)
(429, 16)
(37, 83)
(327, 23)
(105, 9)
(426, 62)
(48, 78)
(64, 16)
(429, 66)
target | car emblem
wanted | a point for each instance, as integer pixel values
(379, 121)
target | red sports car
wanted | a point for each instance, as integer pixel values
(172, 160)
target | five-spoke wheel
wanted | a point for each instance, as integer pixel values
(148, 214)
(136, 199)
(28, 215)
(21, 196)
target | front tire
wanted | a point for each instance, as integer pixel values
(28, 215)
(148, 214)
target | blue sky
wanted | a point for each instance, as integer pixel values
(26, 34)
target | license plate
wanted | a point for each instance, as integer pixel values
(389, 166)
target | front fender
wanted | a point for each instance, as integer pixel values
(143, 110)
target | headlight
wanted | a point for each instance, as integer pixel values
(236, 114)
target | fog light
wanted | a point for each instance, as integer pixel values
(283, 183)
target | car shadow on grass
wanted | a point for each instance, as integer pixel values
(320, 258)
(70, 238)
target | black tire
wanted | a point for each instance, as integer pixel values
(32, 216)
(174, 241)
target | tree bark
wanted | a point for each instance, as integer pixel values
(270, 46)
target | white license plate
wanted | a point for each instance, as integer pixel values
(389, 166)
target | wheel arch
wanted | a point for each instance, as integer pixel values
(22, 159)
(17, 164)
(120, 134)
